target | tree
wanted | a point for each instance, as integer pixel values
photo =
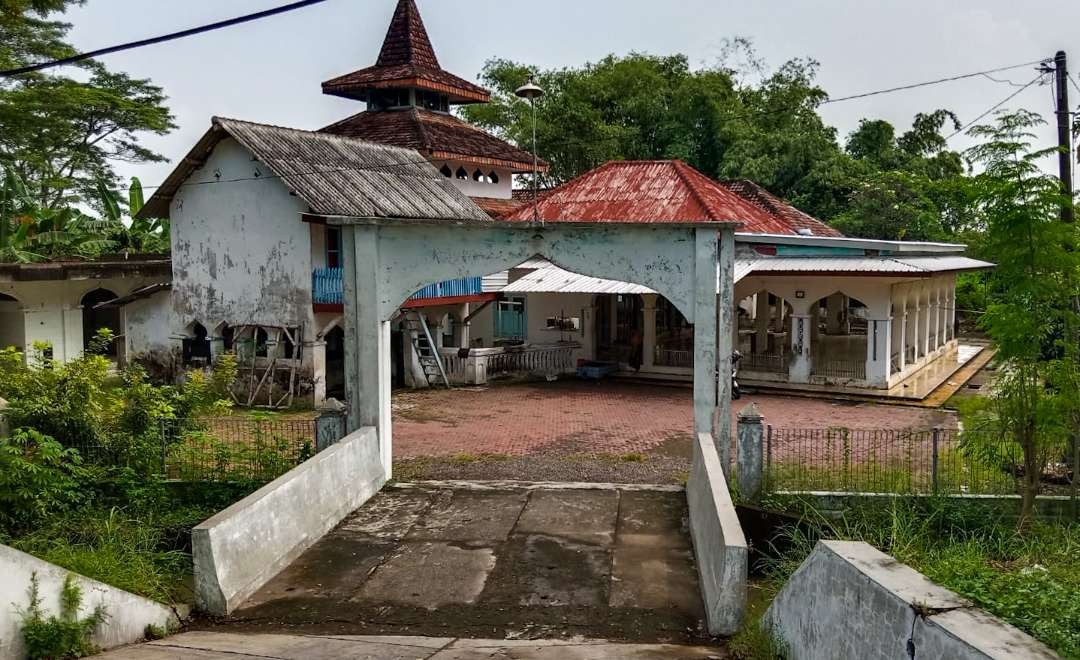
(61, 134)
(133, 235)
(1030, 313)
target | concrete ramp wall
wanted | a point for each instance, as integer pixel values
(719, 544)
(128, 614)
(238, 550)
(849, 600)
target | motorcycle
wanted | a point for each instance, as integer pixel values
(736, 391)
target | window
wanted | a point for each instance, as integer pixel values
(333, 247)
(462, 174)
(493, 177)
(195, 349)
(447, 172)
(478, 176)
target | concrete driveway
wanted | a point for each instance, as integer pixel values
(229, 646)
(504, 563)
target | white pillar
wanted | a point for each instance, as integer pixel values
(952, 309)
(318, 370)
(726, 324)
(648, 335)
(778, 317)
(705, 331)
(936, 337)
(924, 320)
(761, 323)
(878, 364)
(466, 309)
(902, 333)
(799, 368)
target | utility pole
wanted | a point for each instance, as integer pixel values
(1064, 126)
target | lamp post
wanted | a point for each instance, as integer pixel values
(532, 92)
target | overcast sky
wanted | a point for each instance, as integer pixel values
(270, 71)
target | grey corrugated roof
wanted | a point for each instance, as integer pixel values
(549, 278)
(334, 175)
(869, 264)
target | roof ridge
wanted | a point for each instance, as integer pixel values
(683, 170)
(332, 137)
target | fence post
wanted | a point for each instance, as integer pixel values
(936, 437)
(768, 458)
(1076, 478)
(748, 459)
(329, 428)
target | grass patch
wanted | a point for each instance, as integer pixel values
(633, 457)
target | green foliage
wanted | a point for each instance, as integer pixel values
(737, 121)
(38, 479)
(64, 635)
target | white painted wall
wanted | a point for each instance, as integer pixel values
(504, 189)
(51, 311)
(538, 307)
(241, 253)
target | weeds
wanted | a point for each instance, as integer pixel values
(63, 636)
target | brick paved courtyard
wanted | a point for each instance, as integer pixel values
(608, 417)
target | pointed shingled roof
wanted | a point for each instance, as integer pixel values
(407, 59)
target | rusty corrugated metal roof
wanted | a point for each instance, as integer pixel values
(648, 192)
(778, 207)
(334, 175)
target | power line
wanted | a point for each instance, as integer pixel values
(995, 107)
(160, 39)
(931, 82)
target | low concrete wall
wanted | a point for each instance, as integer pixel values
(241, 548)
(850, 600)
(128, 614)
(719, 545)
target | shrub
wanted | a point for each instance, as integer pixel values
(63, 636)
(38, 478)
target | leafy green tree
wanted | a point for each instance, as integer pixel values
(1030, 313)
(132, 234)
(62, 134)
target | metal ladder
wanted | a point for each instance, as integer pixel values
(416, 326)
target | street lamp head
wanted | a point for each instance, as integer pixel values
(529, 90)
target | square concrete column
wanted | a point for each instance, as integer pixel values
(367, 367)
(648, 336)
(799, 369)
(464, 327)
(901, 335)
(924, 323)
(913, 328)
(727, 326)
(878, 362)
(749, 459)
(761, 322)
(706, 253)
(318, 371)
(778, 317)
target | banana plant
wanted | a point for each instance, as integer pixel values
(16, 220)
(145, 235)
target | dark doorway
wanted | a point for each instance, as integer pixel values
(619, 328)
(101, 318)
(335, 363)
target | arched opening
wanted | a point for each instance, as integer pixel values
(493, 177)
(446, 171)
(195, 346)
(335, 363)
(226, 334)
(96, 319)
(12, 324)
(764, 334)
(461, 174)
(838, 335)
(478, 176)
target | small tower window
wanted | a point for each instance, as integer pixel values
(446, 171)
(493, 177)
(462, 174)
(478, 176)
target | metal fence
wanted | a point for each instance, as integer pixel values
(224, 449)
(898, 461)
(773, 363)
(829, 367)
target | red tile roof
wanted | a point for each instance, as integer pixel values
(407, 59)
(778, 207)
(649, 191)
(495, 206)
(435, 134)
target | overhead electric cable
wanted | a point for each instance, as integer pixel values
(994, 107)
(161, 39)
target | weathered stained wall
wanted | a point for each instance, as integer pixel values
(12, 329)
(241, 253)
(849, 600)
(148, 325)
(538, 307)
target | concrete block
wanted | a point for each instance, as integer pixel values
(719, 544)
(241, 548)
(849, 600)
(749, 460)
(128, 614)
